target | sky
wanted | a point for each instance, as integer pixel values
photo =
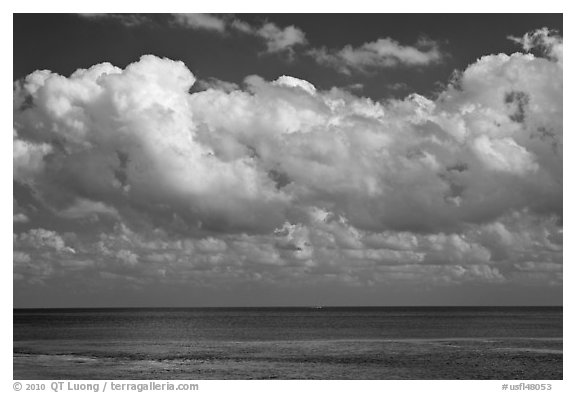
(287, 159)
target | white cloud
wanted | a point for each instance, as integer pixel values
(201, 21)
(28, 158)
(242, 26)
(282, 145)
(127, 257)
(290, 81)
(281, 182)
(382, 53)
(504, 155)
(278, 39)
(216, 84)
(543, 38)
(129, 135)
(128, 20)
(41, 239)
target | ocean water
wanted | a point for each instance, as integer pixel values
(286, 343)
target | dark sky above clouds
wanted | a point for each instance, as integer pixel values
(287, 159)
(66, 42)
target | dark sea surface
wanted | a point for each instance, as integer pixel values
(287, 343)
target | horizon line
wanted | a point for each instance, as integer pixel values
(253, 307)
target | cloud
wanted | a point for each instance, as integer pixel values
(42, 239)
(545, 39)
(28, 157)
(216, 84)
(83, 208)
(201, 21)
(289, 81)
(20, 217)
(277, 39)
(280, 182)
(504, 155)
(129, 20)
(242, 26)
(128, 137)
(382, 53)
(127, 257)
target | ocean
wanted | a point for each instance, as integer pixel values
(289, 343)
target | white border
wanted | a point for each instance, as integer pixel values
(222, 6)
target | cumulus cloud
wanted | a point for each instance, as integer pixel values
(545, 39)
(382, 53)
(130, 136)
(28, 157)
(217, 84)
(285, 80)
(281, 182)
(42, 239)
